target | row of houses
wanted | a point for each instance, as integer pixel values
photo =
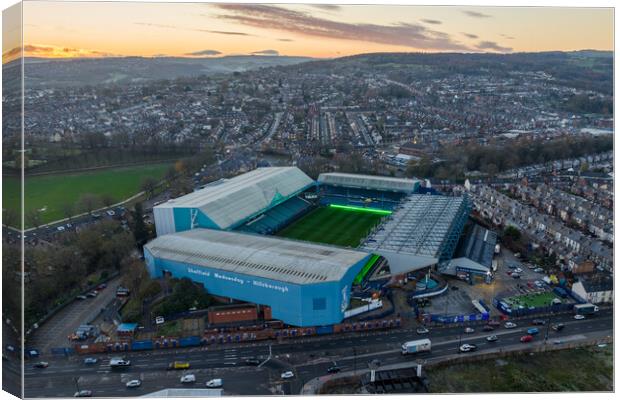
(545, 231)
(585, 214)
(558, 165)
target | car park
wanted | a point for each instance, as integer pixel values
(492, 338)
(287, 375)
(579, 316)
(526, 338)
(466, 348)
(189, 378)
(83, 393)
(422, 330)
(134, 383)
(510, 325)
(469, 330)
(215, 383)
(90, 360)
(41, 364)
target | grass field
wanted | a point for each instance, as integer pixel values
(591, 369)
(332, 226)
(52, 192)
(532, 300)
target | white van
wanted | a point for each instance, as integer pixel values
(215, 383)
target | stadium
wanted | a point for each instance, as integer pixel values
(301, 249)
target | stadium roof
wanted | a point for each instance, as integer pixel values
(479, 246)
(369, 182)
(262, 256)
(245, 195)
(415, 234)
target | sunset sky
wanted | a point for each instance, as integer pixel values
(56, 29)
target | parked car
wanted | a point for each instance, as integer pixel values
(516, 276)
(215, 383)
(92, 294)
(532, 331)
(134, 383)
(465, 348)
(493, 323)
(488, 328)
(42, 364)
(83, 393)
(90, 360)
(252, 361)
(333, 369)
(80, 297)
(469, 330)
(538, 322)
(579, 316)
(110, 213)
(539, 270)
(102, 286)
(526, 338)
(422, 330)
(510, 325)
(492, 338)
(287, 375)
(189, 378)
(518, 270)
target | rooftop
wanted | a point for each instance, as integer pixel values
(245, 195)
(417, 231)
(255, 255)
(369, 182)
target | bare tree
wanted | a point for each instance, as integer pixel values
(107, 200)
(88, 202)
(33, 217)
(148, 186)
(67, 210)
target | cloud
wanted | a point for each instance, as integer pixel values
(487, 45)
(431, 21)
(476, 14)
(470, 35)
(204, 53)
(50, 51)
(326, 7)
(297, 22)
(267, 53)
(191, 29)
(506, 36)
(286, 40)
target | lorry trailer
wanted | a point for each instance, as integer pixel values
(416, 346)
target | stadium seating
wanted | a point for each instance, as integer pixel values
(277, 217)
(359, 197)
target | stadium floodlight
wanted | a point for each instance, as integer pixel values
(362, 209)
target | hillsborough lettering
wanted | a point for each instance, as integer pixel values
(282, 289)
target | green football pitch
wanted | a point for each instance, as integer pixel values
(342, 227)
(50, 192)
(542, 299)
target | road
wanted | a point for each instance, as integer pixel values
(308, 358)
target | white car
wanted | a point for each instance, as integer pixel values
(466, 348)
(510, 325)
(287, 375)
(469, 330)
(518, 270)
(110, 213)
(189, 378)
(579, 316)
(60, 228)
(134, 383)
(215, 383)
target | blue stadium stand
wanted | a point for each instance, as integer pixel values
(278, 217)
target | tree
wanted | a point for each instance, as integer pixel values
(10, 217)
(88, 202)
(140, 233)
(67, 210)
(33, 218)
(107, 200)
(148, 186)
(512, 232)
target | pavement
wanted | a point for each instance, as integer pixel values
(308, 358)
(53, 333)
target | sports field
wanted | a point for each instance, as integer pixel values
(531, 300)
(343, 227)
(51, 192)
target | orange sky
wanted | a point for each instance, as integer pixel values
(56, 29)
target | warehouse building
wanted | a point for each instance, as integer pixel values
(304, 284)
(230, 203)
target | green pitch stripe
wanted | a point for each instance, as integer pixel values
(362, 209)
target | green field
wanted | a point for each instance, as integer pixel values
(341, 227)
(531, 300)
(52, 192)
(586, 369)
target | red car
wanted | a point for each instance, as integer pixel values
(508, 273)
(526, 338)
